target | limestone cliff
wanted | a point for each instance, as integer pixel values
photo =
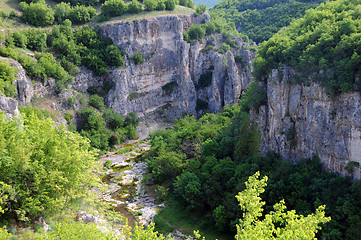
(301, 120)
(24, 89)
(165, 84)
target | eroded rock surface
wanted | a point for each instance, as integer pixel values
(164, 85)
(301, 120)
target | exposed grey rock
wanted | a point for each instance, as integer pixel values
(167, 58)
(313, 123)
(86, 218)
(24, 89)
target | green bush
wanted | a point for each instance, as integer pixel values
(149, 5)
(113, 119)
(81, 14)
(114, 8)
(7, 77)
(62, 11)
(160, 5)
(96, 101)
(90, 119)
(20, 39)
(36, 39)
(134, 7)
(45, 165)
(38, 14)
(186, 3)
(197, 32)
(200, 9)
(137, 58)
(170, 4)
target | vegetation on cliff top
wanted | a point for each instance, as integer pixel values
(323, 46)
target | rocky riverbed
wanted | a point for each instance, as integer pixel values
(124, 178)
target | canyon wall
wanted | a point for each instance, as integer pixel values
(165, 84)
(301, 120)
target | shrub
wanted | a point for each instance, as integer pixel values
(200, 9)
(47, 166)
(114, 8)
(113, 119)
(131, 119)
(134, 7)
(197, 32)
(170, 4)
(96, 101)
(7, 76)
(186, 3)
(82, 14)
(38, 14)
(137, 58)
(149, 5)
(62, 11)
(36, 39)
(20, 39)
(90, 119)
(160, 5)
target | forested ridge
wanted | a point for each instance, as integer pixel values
(260, 19)
(324, 46)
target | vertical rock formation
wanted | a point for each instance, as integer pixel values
(24, 89)
(164, 85)
(301, 120)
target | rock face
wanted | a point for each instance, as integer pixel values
(165, 84)
(300, 121)
(24, 89)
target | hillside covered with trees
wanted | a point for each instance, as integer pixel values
(260, 19)
(324, 46)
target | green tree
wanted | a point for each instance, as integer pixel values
(134, 7)
(170, 4)
(114, 8)
(7, 77)
(200, 9)
(137, 58)
(278, 224)
(149, 5)
(96, 101)
(47, 166)
(81, 14)
(160, 5)
(62, 11)
(38, 14)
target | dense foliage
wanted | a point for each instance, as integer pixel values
(278, 224)
(206, 162)
(7, 76)
(46, 167)
(260, 19)
(82, 45)
(37, 13)
(105, 127)
(324, 46)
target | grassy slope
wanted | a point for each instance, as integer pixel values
(146, 14)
